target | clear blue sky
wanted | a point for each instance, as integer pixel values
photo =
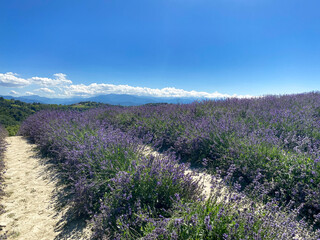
(244, 47)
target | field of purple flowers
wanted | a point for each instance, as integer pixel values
(266, 149)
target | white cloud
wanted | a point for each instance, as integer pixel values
(63, 87)
(58, 80)
(13, 92)
(96, 89)
(45, 90)
(29, 93)
(10, 79)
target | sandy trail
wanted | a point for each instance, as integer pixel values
(30, 211)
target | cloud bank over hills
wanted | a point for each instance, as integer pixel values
(60, 86)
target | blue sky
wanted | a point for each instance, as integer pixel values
(159, 47)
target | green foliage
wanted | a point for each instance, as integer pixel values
(87, 105)
(7, 120)
(13, 129)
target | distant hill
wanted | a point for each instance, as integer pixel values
(114, 99)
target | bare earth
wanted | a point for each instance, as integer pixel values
(30, 212)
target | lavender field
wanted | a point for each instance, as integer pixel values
(265, 150)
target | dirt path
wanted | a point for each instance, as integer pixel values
(30, 213)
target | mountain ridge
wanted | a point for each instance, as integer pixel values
(113, 99)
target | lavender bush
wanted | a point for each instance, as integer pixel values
(148, 193)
